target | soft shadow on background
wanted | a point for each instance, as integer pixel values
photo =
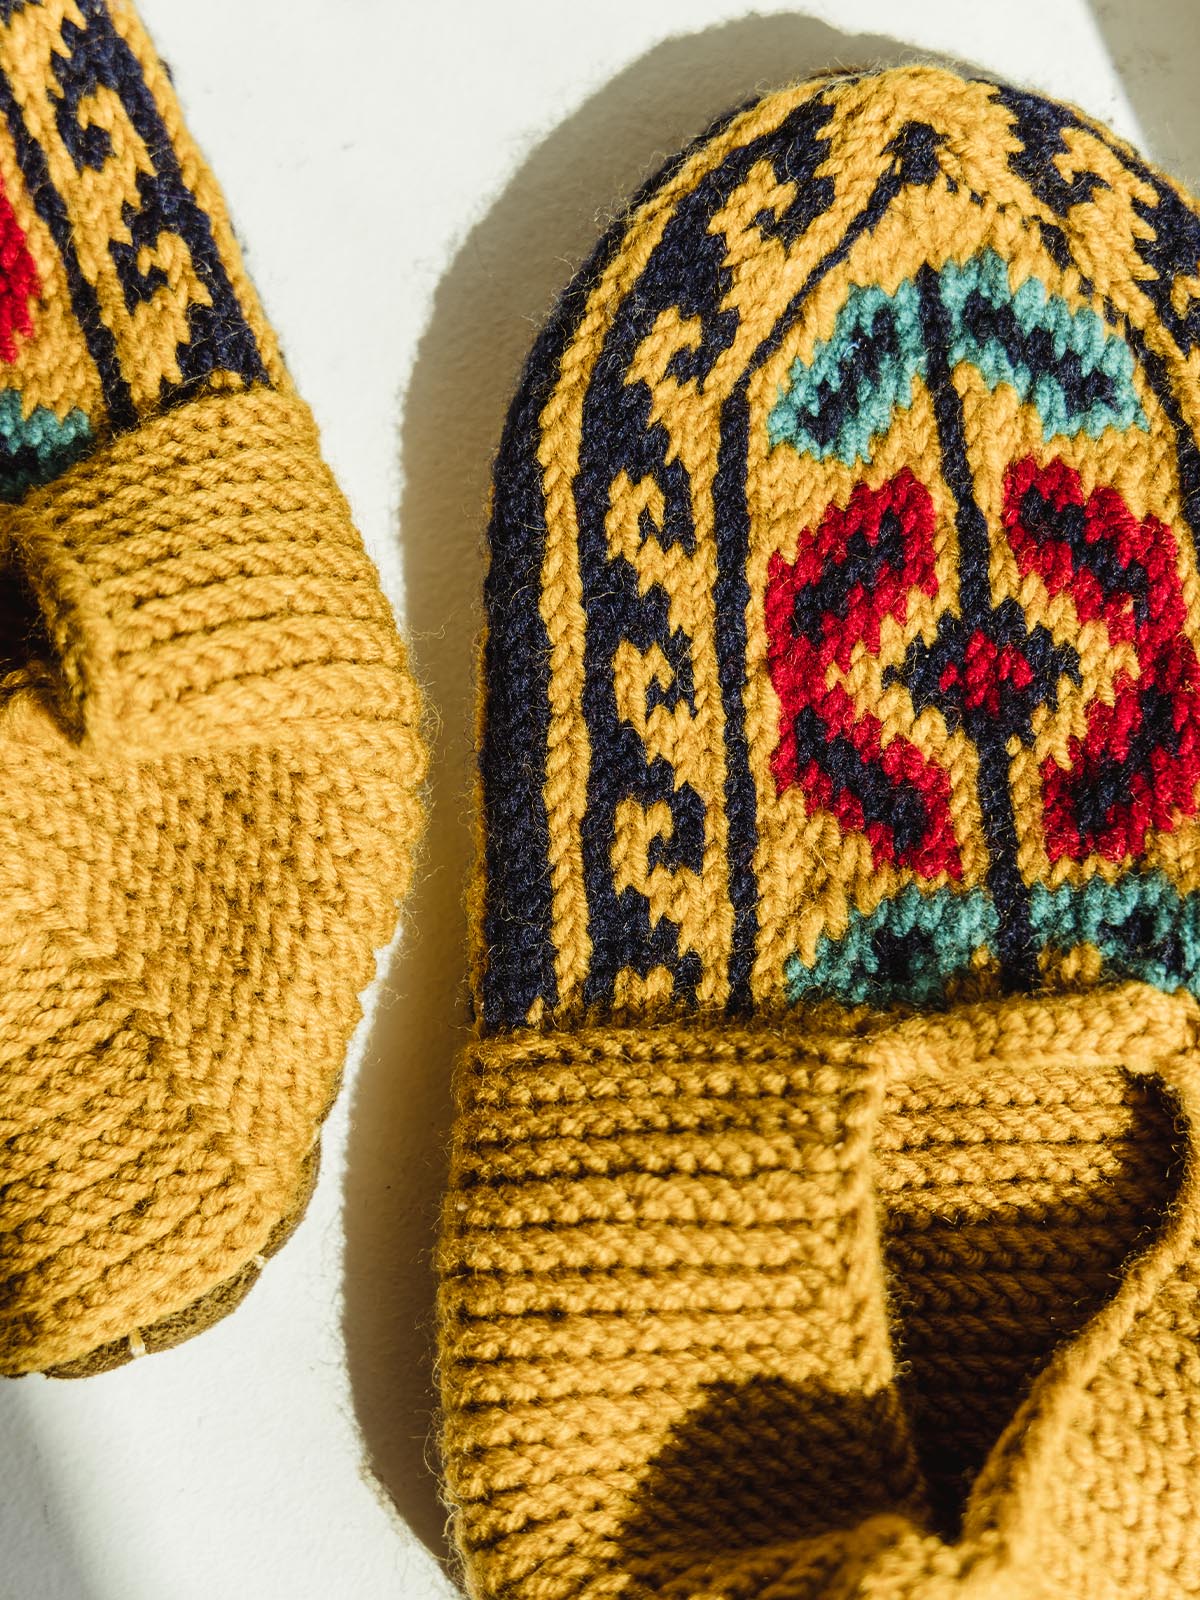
(47, 1540)
(498, 288)
(1155, 49)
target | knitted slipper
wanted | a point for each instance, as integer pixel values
(207, 801)
(824, 1210)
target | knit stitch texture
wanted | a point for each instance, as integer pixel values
(211, 755)
(824, 1210)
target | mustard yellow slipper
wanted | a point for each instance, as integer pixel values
(208, 745)
(824, 1212)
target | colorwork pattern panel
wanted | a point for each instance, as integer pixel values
(843, 610)
(120, 288)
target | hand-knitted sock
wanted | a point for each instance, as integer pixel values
(209, 746)
(824, 1211)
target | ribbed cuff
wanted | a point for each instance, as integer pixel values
(742, 1309)
(640, 1221)
(202, 583)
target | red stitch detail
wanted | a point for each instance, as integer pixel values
(1138, 765)
(19, 284)
(859, 567)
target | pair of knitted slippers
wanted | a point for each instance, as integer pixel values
(823, 1217)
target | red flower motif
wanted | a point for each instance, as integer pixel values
(861, 565)
(1138, 764)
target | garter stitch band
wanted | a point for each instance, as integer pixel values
(824, 1215)
(210, 747)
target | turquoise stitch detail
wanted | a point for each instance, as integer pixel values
(1081, 334)
(937, 934)
(881, 387)
(34, 449)
(847, 395)
(1142, 926)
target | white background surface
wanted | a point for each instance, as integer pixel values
(413, 183)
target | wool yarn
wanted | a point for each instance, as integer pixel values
(211, 754)
(824, 1209)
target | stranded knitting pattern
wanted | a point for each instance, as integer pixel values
(210, 754)
(820, 1220)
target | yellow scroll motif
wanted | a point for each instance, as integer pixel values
(568, 752)
(148, 335)
(200, 182)
(689, 736)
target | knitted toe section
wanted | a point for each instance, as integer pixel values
(172, 1034)
(211, 1307)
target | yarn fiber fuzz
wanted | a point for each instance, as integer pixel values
(824, 1209)
(211, 758)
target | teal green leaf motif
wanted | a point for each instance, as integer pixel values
(34, 449)
(1067, 362)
